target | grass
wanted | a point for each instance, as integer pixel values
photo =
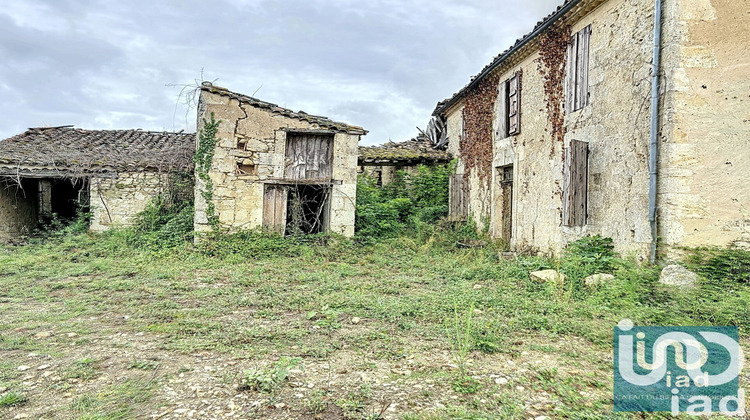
(417, 298)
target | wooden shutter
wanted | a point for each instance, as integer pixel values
(575, 206)
(570, 74)
(514, 104)
(308, 156)
(582, 68)
(458, 202)
(502, 111)
(274, 207)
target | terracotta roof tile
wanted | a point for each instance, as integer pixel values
(77, 150)
(410, 151)
(322, 122)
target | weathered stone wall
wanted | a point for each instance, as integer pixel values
(18, 209)
(705, 149)
(238, 198)
(117, 200)
(615, 124)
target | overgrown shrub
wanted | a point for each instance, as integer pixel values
(721, 264)
(411, 198)
(255, 243)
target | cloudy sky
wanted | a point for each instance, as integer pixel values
(381, 64)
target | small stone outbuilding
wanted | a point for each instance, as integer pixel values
(62, 171)
(273, 167)
(383, 161)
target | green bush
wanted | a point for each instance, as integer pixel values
(721, 264)
(411, 198)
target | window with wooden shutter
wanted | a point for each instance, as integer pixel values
(575, 197)
(577, 71)
(509, 109)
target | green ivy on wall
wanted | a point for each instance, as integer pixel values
(203, 157)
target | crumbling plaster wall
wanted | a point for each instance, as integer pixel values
(18, 209)
(615, 124)
(238, 198)
(705, 149)
(116, 200)
(479, 192)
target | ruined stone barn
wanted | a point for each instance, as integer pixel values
(555, 138)
(383, 161)
(62, 171)
(273, 167)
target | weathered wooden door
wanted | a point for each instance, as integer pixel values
(308, 156)
(458, 200)
(274, 207)
(506, 203)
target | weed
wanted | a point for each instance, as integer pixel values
(12, 399)
(269, 378)
(143, 365)
(465, 384)
(317, 403)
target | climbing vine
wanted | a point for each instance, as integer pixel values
(475, 144)
(553, 48)
(203, 157)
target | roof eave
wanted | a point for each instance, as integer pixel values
(441, 108)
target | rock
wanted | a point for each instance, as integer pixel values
(501, 381)
(548, 276)
(677, 275)
(541, 418)
(519, 388)
(42, 367)
(71, 335)
(24, 368)
(597, 279)
(356, 320)
(43, 334)
(477, 286)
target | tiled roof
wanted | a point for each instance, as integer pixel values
(410, 151)
(76, 150)
(321, 122)
(500, 58)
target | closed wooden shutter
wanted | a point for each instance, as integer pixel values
(502, 110)
(575, 197)
(308, 156)
(458, 201)
(274, 207)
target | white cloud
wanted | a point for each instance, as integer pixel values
(382, 64)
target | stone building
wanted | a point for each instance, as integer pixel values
(383, 161)
(554, 137)
(288, 171)
(64, 170)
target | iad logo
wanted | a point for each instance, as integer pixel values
(678, 369)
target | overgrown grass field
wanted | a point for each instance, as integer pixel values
(401, 323)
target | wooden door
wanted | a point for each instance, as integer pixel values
(506, 204)
(274, 207)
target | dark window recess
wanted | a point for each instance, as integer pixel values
(62, 199)
(509, 111)
(575, 195)
(458, 199)
(505, 174)
(246, 169)
(577, 71)
(296, 209)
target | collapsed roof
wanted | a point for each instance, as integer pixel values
(77, 152)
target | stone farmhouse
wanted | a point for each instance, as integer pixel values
(625, 118)
(63, 170)
(273, 167)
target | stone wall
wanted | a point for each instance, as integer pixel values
(115, 201)
(18, 209)
(238, 197)
(705, 149)
(615, 125)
